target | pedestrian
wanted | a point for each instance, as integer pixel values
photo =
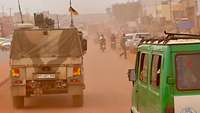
(123, 46)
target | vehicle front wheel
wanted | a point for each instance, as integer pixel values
(77, 100)
(18, 101)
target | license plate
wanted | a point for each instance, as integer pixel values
(46, 76)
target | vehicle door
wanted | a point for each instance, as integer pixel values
(142, 86)
(187, 90)
(155, 86)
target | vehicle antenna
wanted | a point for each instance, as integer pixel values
(20, 11)
(71, 13)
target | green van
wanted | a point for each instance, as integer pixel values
(166, 78)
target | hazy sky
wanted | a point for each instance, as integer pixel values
(60, 6)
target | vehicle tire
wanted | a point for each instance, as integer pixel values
(18, 101)
(77, 100)
(131, 111)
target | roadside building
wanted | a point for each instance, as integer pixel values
(27, 18)
(185, 16)
(129, 11)
(163, 11)
(6, 26)
(150, 7)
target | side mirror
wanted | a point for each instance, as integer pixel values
(84, 45)
(131, 75)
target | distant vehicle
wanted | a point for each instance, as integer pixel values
(166, 75)
(5, 39)
(133, 39)
(5, 43)
(47, 61)
(2, 40)
(129, 37)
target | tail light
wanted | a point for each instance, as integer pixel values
(17, 82)
(75, 81)
(76, 71)
(169, 109)
(15, 72)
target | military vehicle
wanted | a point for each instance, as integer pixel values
(166, 78)
(45, 60)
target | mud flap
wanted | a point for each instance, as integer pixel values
(75, 90)
(18, 90)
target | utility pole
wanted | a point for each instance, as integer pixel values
(10, 11)
(58, 22)
(156, 8)
(1, 29)
(171, 11)
(196, 16)
(3, 12)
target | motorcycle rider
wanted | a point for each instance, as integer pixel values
(123, 46)
(102, 42)
(113, 41)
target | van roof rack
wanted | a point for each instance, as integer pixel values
(180, 34)
(170, 36)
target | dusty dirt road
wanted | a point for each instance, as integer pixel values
(107, 88)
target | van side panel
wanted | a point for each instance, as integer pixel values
(167, 89)
(149, 99)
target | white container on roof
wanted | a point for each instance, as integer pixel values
(24, 26)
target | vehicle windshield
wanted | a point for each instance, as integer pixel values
(143, 36)
(188, 72)
(129, 37)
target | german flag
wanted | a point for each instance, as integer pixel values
(73, 11)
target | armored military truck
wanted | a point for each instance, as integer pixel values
(47, 61)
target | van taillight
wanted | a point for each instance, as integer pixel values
(169, 109)
(15, 72)
(76, 71)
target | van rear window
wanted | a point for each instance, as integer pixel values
(188, 71)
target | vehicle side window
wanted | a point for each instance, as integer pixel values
(137, 62)
(156, 71)
(144, 67)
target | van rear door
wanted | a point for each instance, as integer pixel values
(187, 96)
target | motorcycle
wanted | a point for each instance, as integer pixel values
(103, 47)
(113, 45)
